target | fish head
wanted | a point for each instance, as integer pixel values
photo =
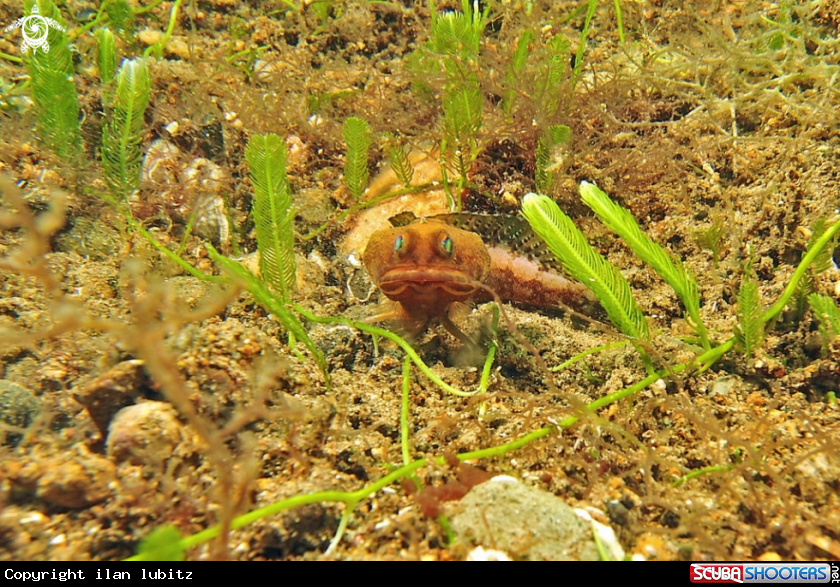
(427, 264)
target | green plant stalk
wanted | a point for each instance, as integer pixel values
(447, 529)
(603, 552)
(157, 48)
(703, 362)
(705, 470)
(621, 222)
(187, 232)
(406, 387)
(584, 35)
(586, 353)
(148, 8)
(813, 253)
(172, 256)
(101, 16)
(54, 91)
(122, 131)
(238, 54)
(570, 247)
(12, 58)
(619, 18)
(484, 381)
(273, 218)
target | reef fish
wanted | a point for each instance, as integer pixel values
(429, 265)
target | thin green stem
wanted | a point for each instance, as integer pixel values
(790, 290)
(699, 327)
(619, 20)
(406, 388)
(342, 525)
(447, 529)
(186, 266)
(584, 35)
(235, 56)
(148, 8)
(586, 353)
(398, 340)
(484, 382)
(101, 16)
(187, 232)
(699, 472)
(173, 17)
(703, 361)
(11, 57)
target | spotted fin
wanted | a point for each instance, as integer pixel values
(402, 219)
(506, 231)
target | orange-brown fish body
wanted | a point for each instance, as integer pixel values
(428, 265)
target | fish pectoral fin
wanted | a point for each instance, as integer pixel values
(409, 326)
(456, 332)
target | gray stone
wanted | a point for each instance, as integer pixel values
(525, 522)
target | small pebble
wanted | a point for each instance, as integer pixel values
(115, 389)
(75, 480)
(145, 434)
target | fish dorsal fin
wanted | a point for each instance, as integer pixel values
(402, 219)
(504, 230)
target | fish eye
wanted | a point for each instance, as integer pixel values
(447, 245)
(399, 242)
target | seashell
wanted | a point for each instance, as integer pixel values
(161, 163)
(211, 221)
(206, 180)
(187, 191)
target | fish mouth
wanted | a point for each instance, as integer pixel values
(424, 280)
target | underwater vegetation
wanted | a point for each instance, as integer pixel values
(267, 277)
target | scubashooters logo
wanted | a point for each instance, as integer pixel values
(35, 29)
(764, 573)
